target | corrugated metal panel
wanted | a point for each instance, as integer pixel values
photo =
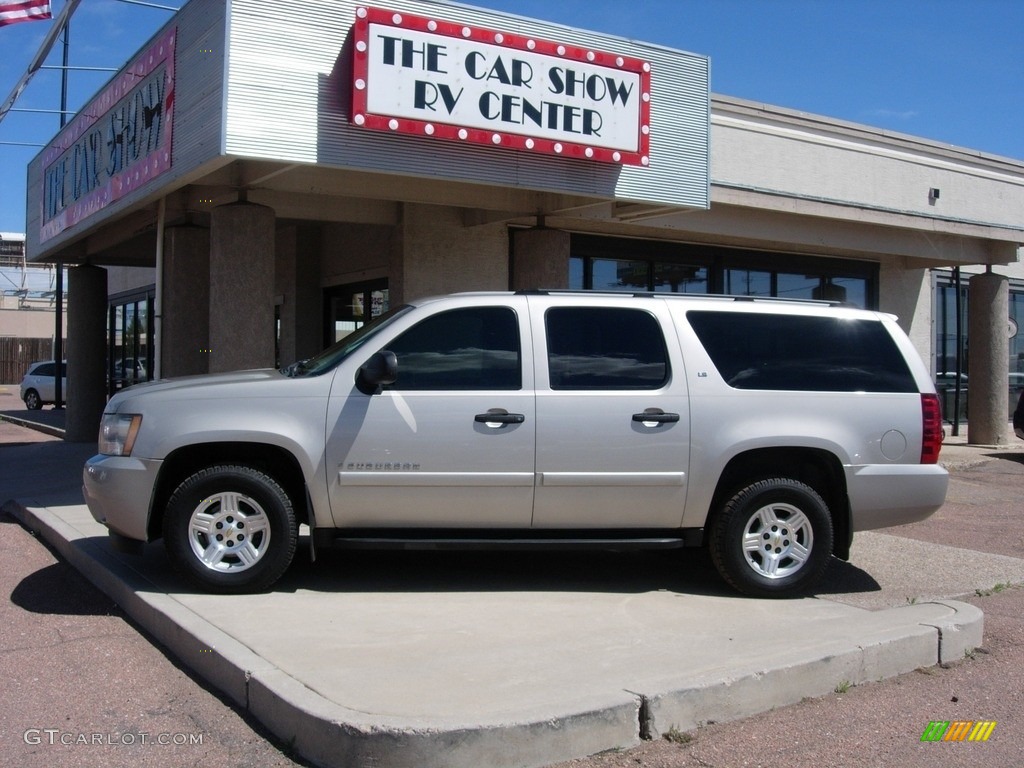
(199, 111)
(198, 120)
(276, 85)
(288, 93)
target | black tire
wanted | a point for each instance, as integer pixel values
(773, 538)
(33, 401)
(230, 529)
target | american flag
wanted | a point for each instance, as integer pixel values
(13, 11)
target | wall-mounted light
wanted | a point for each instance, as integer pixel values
(933, 195)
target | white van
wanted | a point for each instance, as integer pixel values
(766, 430)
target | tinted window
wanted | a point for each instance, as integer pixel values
(46, 369)
(823, 354)
(605, 348)
(475, 348)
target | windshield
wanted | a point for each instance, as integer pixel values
(334, 354)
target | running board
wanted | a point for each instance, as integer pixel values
(423, 541)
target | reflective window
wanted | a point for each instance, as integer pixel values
(462, 349)
(618, 264)
(748, 282)
(680, 278)
(619, 275)
(605, 348)
(129, 351)
(822, 354)
(349, 307)
(799, 286)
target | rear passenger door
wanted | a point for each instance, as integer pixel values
(613, 425)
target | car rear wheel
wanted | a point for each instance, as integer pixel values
(772, 538)
(230, 529)
(32, 401)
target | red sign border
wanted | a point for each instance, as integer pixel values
(365, 16)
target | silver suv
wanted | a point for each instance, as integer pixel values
(768, 431)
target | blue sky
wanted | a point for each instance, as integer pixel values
(947, 70)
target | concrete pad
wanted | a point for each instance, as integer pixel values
(906, 571)
(432, 660)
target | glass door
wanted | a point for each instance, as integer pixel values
(349, 307)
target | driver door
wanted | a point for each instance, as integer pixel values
(451, 443)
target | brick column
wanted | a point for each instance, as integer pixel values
(540, 259)
(241, 287)
(186, 302)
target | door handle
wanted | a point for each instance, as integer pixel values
(656, 416)
(499, 417)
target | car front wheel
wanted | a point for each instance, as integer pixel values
(230, 529)
(32, 401)
(773, 538)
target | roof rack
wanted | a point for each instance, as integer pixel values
(691, 296)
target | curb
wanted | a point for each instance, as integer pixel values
(329, 734)
(46, 429)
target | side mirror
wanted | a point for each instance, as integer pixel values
(379, 370)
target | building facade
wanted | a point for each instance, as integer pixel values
(251, 187)
(28, 309)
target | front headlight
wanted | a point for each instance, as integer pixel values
(117, 433)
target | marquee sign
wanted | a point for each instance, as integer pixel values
(119, 142)
(426, 77)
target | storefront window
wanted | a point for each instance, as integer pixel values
(616, 275)
(847, 289)
(632, 275)
(946, 331)
(747, 282)
(596, 264)
(680, 278)
(946, 342)
(129, 352)
(350, 307)
(1017, 339)
(1016, 330)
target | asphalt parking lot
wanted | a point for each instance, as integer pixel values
(868, 724)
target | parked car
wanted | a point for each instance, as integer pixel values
(128, 372)
(767, 430)
(1018, 417)
(37, 387)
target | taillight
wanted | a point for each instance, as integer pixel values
(931, 433)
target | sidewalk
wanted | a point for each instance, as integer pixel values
(48, 420)
(462, 659)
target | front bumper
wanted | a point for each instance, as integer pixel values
(885, 495)
(118, 491)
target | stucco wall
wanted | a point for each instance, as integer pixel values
(26, 324)
(906, 292)
(876, 173)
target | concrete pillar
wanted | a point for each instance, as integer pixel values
(540, 259)
(441, 254)
(186, 302)
(87, 352)
(298, 292)
(241, 287)
(988, 360)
